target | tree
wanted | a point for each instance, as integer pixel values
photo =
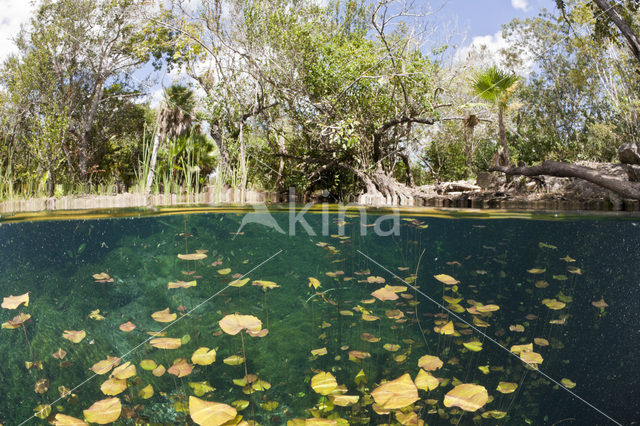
(85, 46)
(497, 86)
(174, 119)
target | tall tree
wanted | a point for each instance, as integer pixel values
(174, 119)
(496, 85)
(86, 46)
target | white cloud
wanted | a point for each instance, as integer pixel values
(520, 4)
(14, 14)
(488, 50)
(485, 49)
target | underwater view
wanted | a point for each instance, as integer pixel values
(212, 317)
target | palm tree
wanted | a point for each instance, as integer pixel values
(174, 119)
(496, 85)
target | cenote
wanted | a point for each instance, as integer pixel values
(456, 318)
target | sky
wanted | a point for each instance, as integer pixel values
(479, 20)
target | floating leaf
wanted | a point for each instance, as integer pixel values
(180, 368)
(159, 371)
(319, 352)
(224, 271)
(358, 355)
(234, 323)
(269, 405)
(59, 354)
(396, 394)
(127, 327)
(200, 388)
(206, 413)
(344, 400)
(102, 277)
(531, 357)
(553, 304)
(560, 277)
(146, 392)
(541, 284)
(446, 279)
(164, 316)
(42, 386)
(484, 369)
(467, 396)
(104, 411)
(600, 304)
(367, 337)
(494, 414)
(537, 271)
(568, 383)
(426, 381)
(192, 256)
(64, 420)
(391, 347)
(95, 315)
(375, 280)
(518, 328)
(166, 343)
(430, 363)
(182, 284)
(12, 302)
(233, 360)
(474, 345)
(104, 366)
(74, 336)
(506, 387)
(239, 283)
(124, 371)
(314, 282)
(323, 383)
(148, 364)
(203, 356)
(266, 285)
(240, 404)
(540, 342)
(516, 349)
(17, 321)
(42, 411)
(113, 386)
(446, 329)
(568, 259)
(574, 270)
(487, 308)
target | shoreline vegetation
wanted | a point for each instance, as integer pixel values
(358, 100)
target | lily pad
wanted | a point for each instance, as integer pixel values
(396, 394)
(206, 413)
(103, 411)
(467, 396)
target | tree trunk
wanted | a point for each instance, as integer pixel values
(224, 165)
(503, 134)
(152, 163)
(555, 168)
(85, 128)
(633, 41)
(407, 165)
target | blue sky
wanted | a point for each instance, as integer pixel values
(485, 17)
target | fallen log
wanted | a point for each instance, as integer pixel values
(559, 169)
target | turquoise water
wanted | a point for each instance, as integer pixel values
(497, 260)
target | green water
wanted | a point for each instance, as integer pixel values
(595, 348)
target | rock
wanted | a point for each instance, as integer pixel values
(628, 153)
(486, 180)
